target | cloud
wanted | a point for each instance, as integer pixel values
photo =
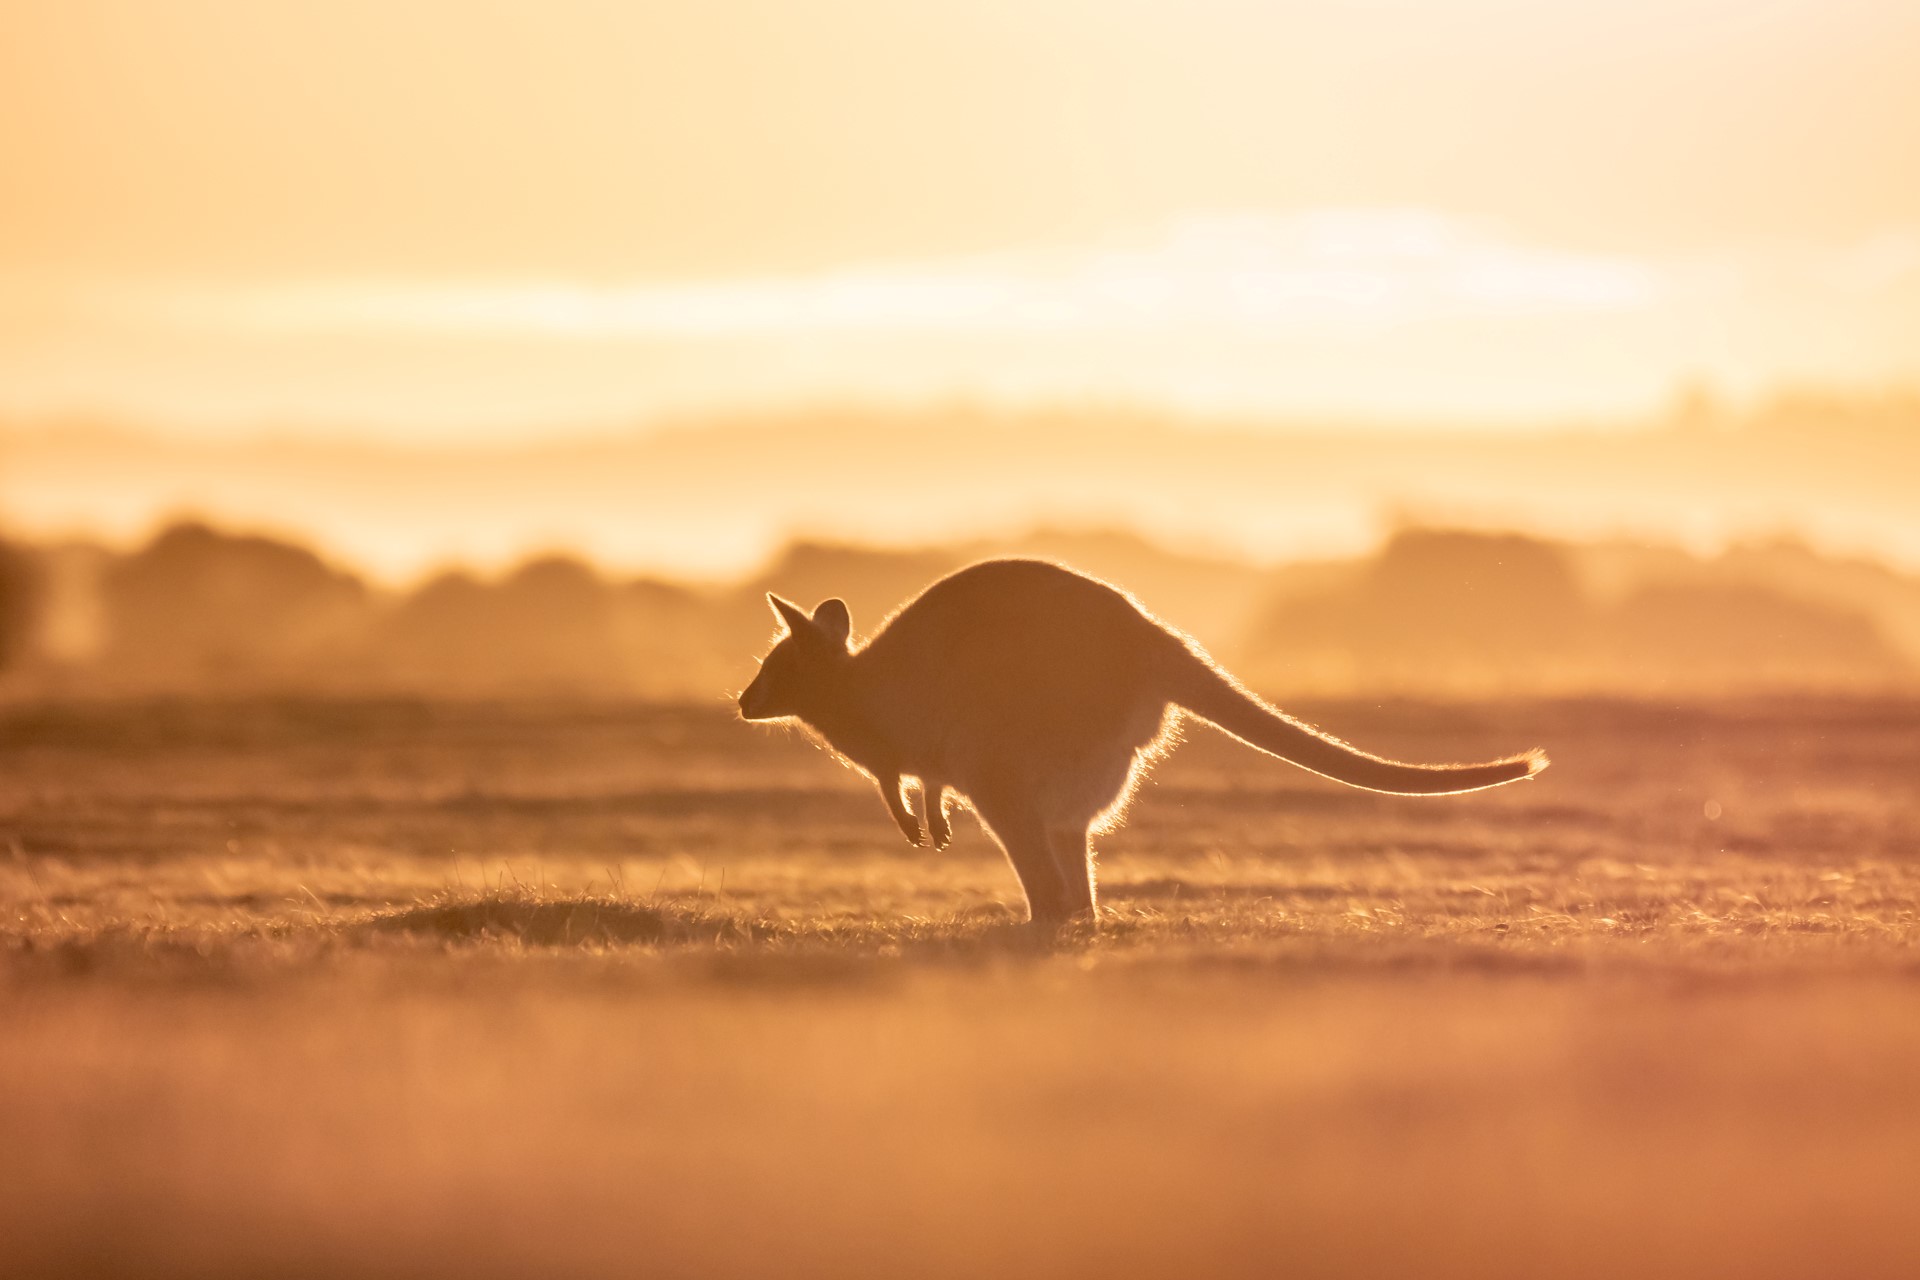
(1398, 314)
(1328, 269)
(1877, 264)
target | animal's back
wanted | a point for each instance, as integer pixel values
(1027, 656)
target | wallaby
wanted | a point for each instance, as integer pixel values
(1039, 695)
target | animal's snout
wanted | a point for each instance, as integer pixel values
(753, 702)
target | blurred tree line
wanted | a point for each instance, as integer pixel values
(1434, 611)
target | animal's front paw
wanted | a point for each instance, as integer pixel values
(942, 833)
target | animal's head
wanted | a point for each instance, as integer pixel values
(803, 670)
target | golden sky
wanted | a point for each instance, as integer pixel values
(441, 220)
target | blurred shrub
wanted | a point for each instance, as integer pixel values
(196, 606)
(1711, 633)
(1435, 607)
(21, 595)
(550, 625)
(1461, 611)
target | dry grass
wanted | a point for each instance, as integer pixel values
(310, 988)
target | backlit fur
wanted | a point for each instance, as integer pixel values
(1040, 696)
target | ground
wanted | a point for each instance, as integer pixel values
(478, 989)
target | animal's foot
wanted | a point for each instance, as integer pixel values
(1056, 927)
(942, 832)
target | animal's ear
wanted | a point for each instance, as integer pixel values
(834, 621)
(792, 614)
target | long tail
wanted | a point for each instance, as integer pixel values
(1215, 696)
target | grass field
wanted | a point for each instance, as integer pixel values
(468, 989)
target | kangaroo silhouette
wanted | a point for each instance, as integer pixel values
(1039, 695)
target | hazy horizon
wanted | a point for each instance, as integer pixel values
(715, 498)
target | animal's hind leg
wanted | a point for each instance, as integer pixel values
(1072, 848)
(1024, 837)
